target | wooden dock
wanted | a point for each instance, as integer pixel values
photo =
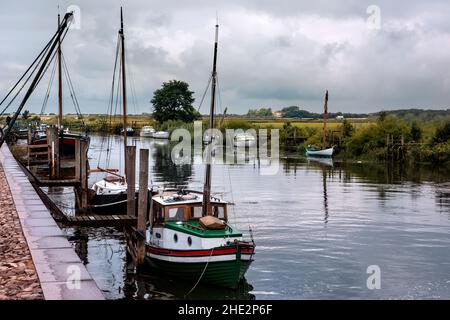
(100, 220)
(82, 220)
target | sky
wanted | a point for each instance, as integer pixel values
(271, 53)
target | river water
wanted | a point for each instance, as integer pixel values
(319, 228)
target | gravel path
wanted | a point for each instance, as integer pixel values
(18, 278)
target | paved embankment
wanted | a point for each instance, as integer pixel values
(18, 277)
(36, 260)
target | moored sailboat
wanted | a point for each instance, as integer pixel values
(189, 235)
(66, 139)
(109, 195)
(323, 152)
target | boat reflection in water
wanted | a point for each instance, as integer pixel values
(150, 284)
(102, 250)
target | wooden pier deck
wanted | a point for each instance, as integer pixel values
(100, 220)
(51, 252)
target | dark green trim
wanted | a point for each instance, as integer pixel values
(193, 227)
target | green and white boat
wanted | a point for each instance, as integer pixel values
(183, 242)
(189, 235)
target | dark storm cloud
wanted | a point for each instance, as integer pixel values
(272, 53)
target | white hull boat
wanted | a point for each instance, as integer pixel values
(316, 152)
(161, 135)
(147, 131)
(244, 140)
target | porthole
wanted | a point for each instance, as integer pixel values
(175, 237)
(189, 241)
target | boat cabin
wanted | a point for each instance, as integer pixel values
(184, 206)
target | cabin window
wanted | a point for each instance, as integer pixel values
(219, 212)
(196, 212)
(176, 213)
(175, 237)
(189, 240)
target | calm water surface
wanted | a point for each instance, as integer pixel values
(317, 226)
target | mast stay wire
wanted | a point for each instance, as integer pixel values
(23, 85)
(39, 57)
(132, 85)
(49, 89)
(109, 112)
(204, 93)
(28, 78)
(72, 91)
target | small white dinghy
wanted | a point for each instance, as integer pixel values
(147, 131)
(161, 135)
(244, 140)
(316, 152)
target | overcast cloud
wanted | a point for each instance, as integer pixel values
(271, 53)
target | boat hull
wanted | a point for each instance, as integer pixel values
(324, 153)
(107, 204)
(66, 143)
(223, 266)
(246, 143)
(146, 134)
(161, 135)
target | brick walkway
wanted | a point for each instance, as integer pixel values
(18, 277)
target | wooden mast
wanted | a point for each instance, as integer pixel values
(60, 106)
(124, 88)
(206, 210)
(325, 118)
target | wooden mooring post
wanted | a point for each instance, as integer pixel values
(136, 235)
(81, 174)
(130, 164)
(53, 152)
(142, 205)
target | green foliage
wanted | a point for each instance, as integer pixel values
(347, 129)
(260, 113)
(420, 115)
(295, 112)
(173, 101)
(236, 124)
(416, 132)
(371, 140)
(25, 114)
(442, 133)
(175, 124)
(431, 153)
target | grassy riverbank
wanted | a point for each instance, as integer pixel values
(386, 138)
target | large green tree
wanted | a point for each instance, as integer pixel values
(173, 101)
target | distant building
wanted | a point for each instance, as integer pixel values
(339, 117)
(277, 114)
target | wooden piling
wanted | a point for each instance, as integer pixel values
(77, 160)
(130, 161)
(81, 175)
(142, 204)
(53, 152)
(84, 173)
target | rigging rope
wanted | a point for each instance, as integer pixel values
(43, 54)
(132, 85)
(204, 93)
(47, 93)
(72, 91)
(23, 85)
(39, 57)
(201, 276)
(109, 112)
